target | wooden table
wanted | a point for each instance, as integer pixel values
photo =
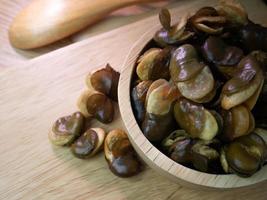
(37, 87)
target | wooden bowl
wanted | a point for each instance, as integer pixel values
(156, 159)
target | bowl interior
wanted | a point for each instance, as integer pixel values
(150, 154)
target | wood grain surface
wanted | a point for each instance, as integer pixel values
(36, 92)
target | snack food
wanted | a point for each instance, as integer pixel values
(120, 155)
(89, 143)
(66, 129)
(215, 90)
(95, 102)
(104, 80)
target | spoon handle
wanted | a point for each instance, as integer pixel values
(46, 21)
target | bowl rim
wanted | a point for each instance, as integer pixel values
(150, 154)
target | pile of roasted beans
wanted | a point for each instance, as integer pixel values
(199, 93)
(97, 103)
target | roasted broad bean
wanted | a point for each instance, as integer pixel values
(207, 20)
(159, 119)
(97, 105)
(138, 95)
(171, 35)
(120, 155)
(245, 155)
(66, 129)
(197, 121)
(89, 143)
(104, 80)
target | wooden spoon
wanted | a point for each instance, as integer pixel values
(46, 21)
